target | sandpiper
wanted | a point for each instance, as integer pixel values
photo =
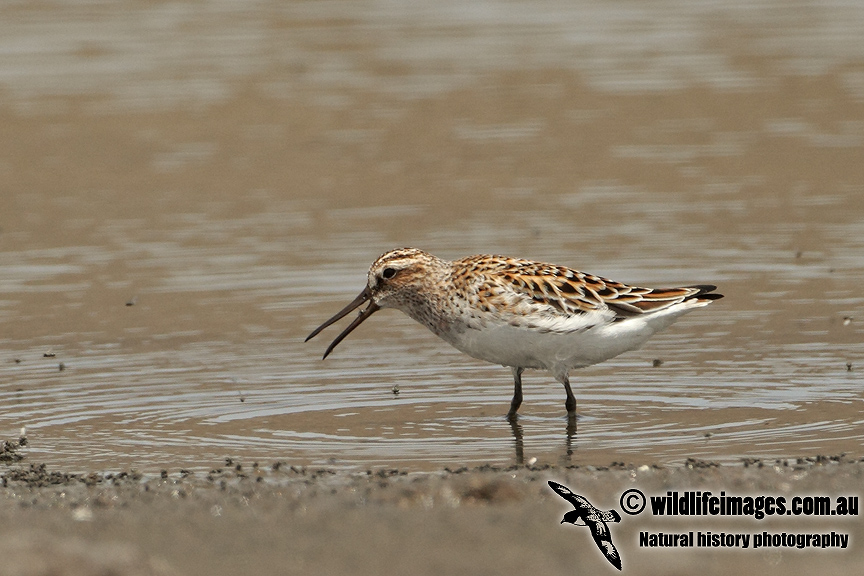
(519, 313)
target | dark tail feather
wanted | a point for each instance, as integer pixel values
(706, 292)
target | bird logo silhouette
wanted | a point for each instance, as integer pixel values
(585, 514)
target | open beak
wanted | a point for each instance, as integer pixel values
(365, 295)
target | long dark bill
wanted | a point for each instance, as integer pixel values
(365, 295)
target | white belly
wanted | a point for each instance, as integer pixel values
(556, 351)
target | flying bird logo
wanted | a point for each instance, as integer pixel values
(585, 514)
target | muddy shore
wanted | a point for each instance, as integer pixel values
(282, 519)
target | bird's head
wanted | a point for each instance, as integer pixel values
(573, 517)
(395, 280)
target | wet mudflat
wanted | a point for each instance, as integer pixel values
(489, 520)
(187, 191)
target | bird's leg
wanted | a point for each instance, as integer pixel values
(517, 393)
(570, 403)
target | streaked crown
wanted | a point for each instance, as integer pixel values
(395, 277)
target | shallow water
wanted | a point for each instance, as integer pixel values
(188, 193)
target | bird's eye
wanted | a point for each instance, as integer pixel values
(388, 273)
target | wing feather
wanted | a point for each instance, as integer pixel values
(559, 299)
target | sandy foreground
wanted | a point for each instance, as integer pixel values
(279, 519)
